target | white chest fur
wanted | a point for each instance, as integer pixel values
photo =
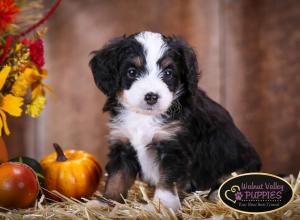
(139, 129)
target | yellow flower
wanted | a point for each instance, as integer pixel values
(34, 109)
(8, 103)
(31, 77)
(12, 105)
(3, 123)
(19, 46)
(25, 80)
(3, 75)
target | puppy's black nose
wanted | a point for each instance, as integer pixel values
(151, 98)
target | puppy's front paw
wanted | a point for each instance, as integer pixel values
(167, 198)
(96, 203)
(93, 203)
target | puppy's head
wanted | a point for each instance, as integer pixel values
(146, 72)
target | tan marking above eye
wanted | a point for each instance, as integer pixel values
(137, 61)
(166, 62)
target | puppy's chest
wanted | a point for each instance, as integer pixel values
(140, 130)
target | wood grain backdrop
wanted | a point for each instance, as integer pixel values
(248, 51)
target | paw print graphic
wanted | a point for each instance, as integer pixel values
(238, 196)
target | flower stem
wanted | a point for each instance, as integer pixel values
(34, 26)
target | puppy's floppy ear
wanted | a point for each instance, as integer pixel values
(191, 71)
(105, 67)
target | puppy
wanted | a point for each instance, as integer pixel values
(164, 129)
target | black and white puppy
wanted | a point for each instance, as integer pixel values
(163, 127)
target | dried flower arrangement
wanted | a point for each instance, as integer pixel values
(21, 60)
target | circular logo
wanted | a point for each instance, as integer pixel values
(256, 193)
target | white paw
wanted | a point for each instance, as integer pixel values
(167, 198)
(95, 203)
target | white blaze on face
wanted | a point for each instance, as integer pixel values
(151, 81)
(154, 47)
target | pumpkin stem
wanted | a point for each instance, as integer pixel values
(60, 153)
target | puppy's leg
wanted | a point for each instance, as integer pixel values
(122, 169)
(118, 184)
(116, 187)
(168, 197)
(173, 165)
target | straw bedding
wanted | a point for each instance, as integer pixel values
(138, 205)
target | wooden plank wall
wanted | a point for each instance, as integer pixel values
(262, 81)
(248, 51)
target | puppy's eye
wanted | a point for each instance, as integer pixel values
(132, 73)
(168, 73)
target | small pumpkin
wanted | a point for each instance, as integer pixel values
(73, 173)
(3, 151)
(19, 185)
(35, 165)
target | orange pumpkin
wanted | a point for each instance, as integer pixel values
(3, 151)
(73, 173)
